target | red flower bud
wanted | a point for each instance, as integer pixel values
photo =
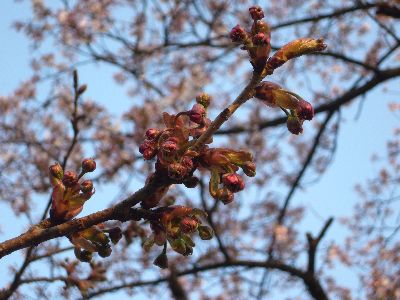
(294, 125)
(169, 147)
(304, 110)
(148, 148)
(256, 13)
(203, 99)
(88, 165)
(196, 114)
(238, 34)
(234, 182)
(152, 133)
(87, 186)
(188, 225)
(70, 179)
(264, 92)
(56, 171)
(260, 39)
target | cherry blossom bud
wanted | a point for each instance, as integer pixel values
(260, 39)
(188, 225)
(88, 165)
(294, 49)
(87, 186)
(159, 238)
(152, 133)
(169, 147)
(249, 168)
(115, 234)
(224, 195)
(238, 34)
(187, 162)
(82, 89)
(205, 232)
(196, 114)
(178, 245)
(70, 179)
(294, 125)
(273, 95)
(191, 182)
(203, 99)
(304, 110)
(56, 171)
(161, 261)
(148, 148)
(104, 250)
(256, 13)
(234, 182)
(83, 255)
(177, 171)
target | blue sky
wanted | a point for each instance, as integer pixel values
(333, 195)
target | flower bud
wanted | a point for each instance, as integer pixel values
(83, 255)
(238, 34)
(82, 89)
(273, 95)
(70, 179)
(203, 99)
(224, 195)
(249, 168)
(88, 165)
(152, 133)
(260, 39)
(169, 147)
(256, 13)
(294, 49)
(205, 232)
(196, 114)
(178, 245)
(161, 261)
(176, 171)
(234, 182)
(148, 148)
(294, 125)
(104, 250)
(304, 110)
(188, 225)
(56, 171)
(159, 238)
(115, 234)
(87, 186)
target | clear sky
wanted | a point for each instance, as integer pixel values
(332, 195)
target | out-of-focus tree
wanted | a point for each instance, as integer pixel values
(165, 53)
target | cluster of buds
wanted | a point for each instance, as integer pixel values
(171, 146)
(257, 44)
(295, 107)
(257, 41)
(223, 164)
(94, 239)
(174, 226)
(69, 193)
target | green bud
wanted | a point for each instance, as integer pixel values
(205, 232)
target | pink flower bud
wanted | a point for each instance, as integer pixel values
(88, 165)
(264, 92)
(256, 13)
(56, 171)
(304, 110)
(188, 225)
(87, 186)
(234, 182)
(152, 133)
(294, 125)
(169, 147)
(148, 148)
(238, 34)
(260, 39)
(70, 179)
(196, 114)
